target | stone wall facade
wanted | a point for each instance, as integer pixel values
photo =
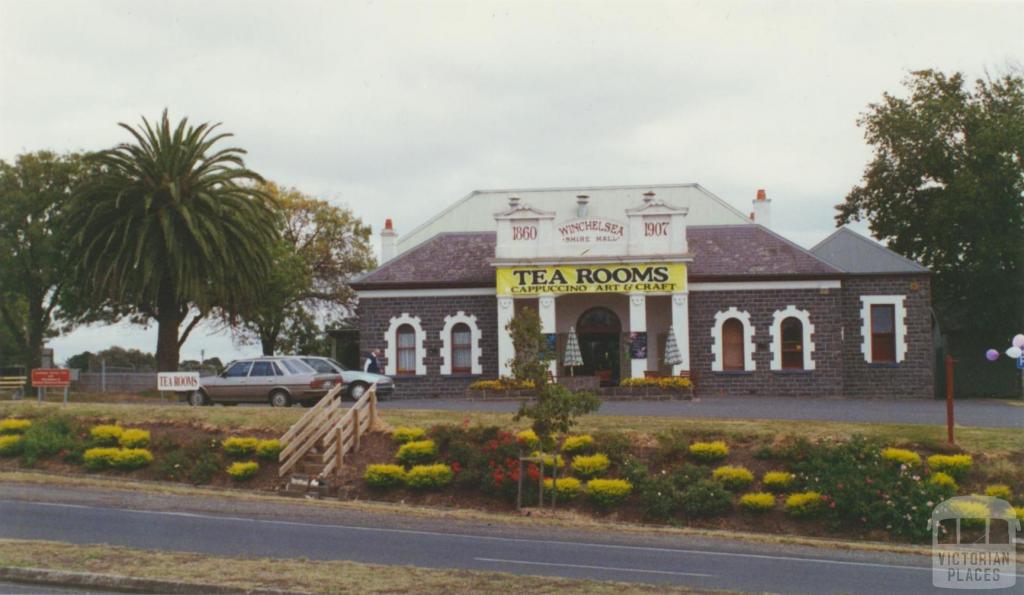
(840, 369)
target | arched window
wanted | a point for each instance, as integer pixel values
(733, 356)
(792, 344)
(406, 350)
(462, 349)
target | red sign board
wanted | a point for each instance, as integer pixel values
(51, 377)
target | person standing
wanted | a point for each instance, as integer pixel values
(372, 364)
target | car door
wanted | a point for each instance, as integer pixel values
(262, 378)
(231, 385)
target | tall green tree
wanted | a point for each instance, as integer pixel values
(35, 301)
(173, 224)
(322, 247)
(946, 187)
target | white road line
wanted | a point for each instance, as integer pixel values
(483, 537)
(589, 567)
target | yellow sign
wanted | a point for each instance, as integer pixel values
(592, 278)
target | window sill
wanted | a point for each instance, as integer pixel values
(793, 372)
(734, 372)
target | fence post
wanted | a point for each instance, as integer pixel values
(338, 455)
(373, 406)
(355, 420)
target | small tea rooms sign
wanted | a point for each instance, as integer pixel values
(177, 381)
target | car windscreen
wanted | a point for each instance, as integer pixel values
(337, 365)
(296, 366)
(319, 365)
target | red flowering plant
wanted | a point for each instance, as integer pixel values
(484, 458)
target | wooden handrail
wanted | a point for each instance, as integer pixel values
(346, 433)
(311, 427)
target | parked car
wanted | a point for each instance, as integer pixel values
(280, 381)
(356, 380)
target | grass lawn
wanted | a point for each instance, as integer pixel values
(287, 574)
(992, 441)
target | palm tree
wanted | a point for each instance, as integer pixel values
(171, 225)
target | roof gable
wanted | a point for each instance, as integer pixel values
(851, 252)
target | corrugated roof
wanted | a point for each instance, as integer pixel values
(463, 259)
(851, 252)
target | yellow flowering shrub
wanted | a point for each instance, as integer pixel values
(590, 465)
(403, 434)
(708, 452)
(955, 465)
(999, 490)
(733, 477)
(13, 425)
(607, 493)
(575, 444)
(664, 382)
(429, 477)
(241, 471)
(268, 449)
(134, 438)
(503, 383)
(383, 477)
(550, 460)
(803, 504)
(528, 439)
(568, 487)
(777, 481)
(106, 434)
(757, 502)
(943, 479)
(10, 445)
(1019, 511)
(417, 452)
(237, 446)
(96, 459)
(901, 455)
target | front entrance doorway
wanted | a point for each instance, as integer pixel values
(599, 332)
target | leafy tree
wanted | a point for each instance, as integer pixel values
(35, 301)
(946, 187)
(555, 408)
(115, 357)
(173, 224)
(322, 246)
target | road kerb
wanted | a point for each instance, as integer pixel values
(43, 576)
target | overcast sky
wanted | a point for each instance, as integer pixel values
(397, 109)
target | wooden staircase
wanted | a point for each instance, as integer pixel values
(314, 448)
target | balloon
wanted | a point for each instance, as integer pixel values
(1018, 341)
(1013, 352)
(991, 355)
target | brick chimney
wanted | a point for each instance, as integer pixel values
(388, 241)
(762, 214)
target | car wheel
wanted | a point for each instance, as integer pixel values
(280, 398)
(197, 398)
(357, 390)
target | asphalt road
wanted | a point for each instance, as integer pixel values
(240, 528)
(980, 413)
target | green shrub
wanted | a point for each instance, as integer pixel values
(197, 462)
(588, 466)
(757, 502)
(429, 477)
(955, 465)
(237, 446)
(268, 449)
(418, 452)
(10, 446)
(777, 481)
(581, 444)
(804, 504)
(134, 438)
(528, 439)
(401, 435)
(944, 480)
(569, 488)
(733, 477)
(607, 493)
(47, 437)
(657, 494)
(241, 471)
(902, 456)
(384, 477)
(998, 490)
(106, 434)
(709, 452)
(705, 498)
(689, 474)
(106, 457)
(13, 425)
(617, 445)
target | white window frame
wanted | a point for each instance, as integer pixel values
(446, 343)
(804, 317)
(748, 339)
(391, 338)
(899, 308)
